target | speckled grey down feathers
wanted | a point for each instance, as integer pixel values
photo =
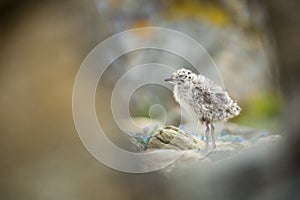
(202, 97)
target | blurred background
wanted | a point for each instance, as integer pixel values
(255, 44)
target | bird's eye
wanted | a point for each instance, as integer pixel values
(189, 72)
(190, 77)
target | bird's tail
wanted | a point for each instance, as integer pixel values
(234, 110)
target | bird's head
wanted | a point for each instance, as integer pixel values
(181, 76)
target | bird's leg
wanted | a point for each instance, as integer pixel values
(207, 136)
(213, 135)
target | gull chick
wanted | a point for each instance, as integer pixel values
(203, 98)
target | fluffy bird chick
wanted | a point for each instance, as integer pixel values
(204, 99)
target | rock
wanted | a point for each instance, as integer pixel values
(246, 132)
(233, 140)
(171, 137)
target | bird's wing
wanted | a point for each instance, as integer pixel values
(207, 91)
(221, 97)
(217, 94)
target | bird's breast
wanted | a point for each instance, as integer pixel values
(182, 95)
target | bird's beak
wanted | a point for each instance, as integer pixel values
(168, 80)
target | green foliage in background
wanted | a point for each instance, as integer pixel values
(262, 111)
